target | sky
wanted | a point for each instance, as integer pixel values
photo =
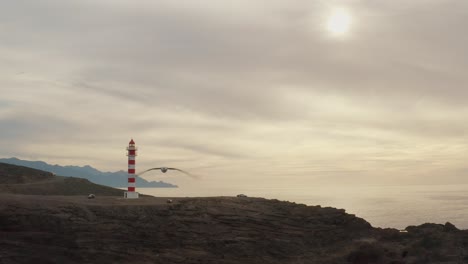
(245, 92)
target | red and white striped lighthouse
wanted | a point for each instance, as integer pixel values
(131, 153)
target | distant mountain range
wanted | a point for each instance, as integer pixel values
(113, 179)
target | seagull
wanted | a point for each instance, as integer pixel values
(165, 169)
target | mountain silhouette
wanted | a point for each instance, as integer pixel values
(113, 179)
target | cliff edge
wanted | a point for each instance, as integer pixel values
(70, 228)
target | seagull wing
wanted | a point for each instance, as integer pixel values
(185, 172)
(147, 171)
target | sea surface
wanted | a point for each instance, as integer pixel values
(382, 206)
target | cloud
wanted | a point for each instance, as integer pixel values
(250, 83)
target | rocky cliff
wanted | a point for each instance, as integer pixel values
(69, 228)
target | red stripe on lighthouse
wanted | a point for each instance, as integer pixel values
(131, 166)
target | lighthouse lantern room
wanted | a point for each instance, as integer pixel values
(131, 153)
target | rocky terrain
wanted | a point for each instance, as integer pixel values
(110, 229)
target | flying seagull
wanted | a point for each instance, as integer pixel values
(165, 169)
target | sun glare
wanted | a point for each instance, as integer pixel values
(339, 22)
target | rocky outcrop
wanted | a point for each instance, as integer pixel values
(55, 229)
(48, 219)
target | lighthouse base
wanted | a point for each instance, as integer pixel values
(131, 195)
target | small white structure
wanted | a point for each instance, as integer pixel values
(131, 195)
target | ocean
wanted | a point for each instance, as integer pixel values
(382, 206)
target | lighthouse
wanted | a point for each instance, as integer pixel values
(131, 153)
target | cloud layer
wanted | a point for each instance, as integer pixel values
(245, 91)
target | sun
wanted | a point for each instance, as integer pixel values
(339, 22)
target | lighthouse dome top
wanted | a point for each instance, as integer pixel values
(132, 142)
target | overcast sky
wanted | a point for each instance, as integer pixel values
(241, 92)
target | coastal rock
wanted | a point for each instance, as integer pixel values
(70, 228)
